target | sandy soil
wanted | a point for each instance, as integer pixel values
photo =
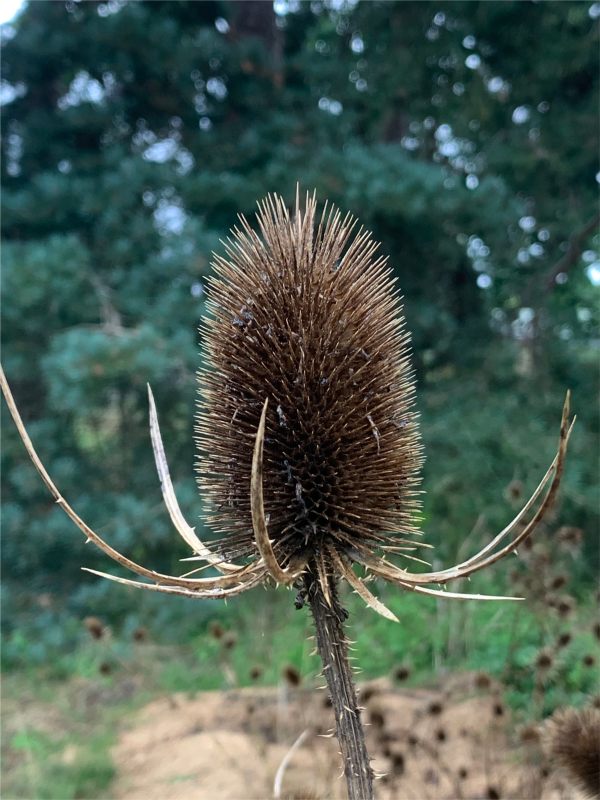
(450, 744)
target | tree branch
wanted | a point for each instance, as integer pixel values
(566, 262)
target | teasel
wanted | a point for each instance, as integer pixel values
(310, 449)
(571, 739)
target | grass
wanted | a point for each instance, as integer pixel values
(54, 749)
(46, 777)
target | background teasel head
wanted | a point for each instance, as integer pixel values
(306, 315)
(571, 738)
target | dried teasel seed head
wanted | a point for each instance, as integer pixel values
(514, 491)
(564, 639)
(569, 537)
(216, 630)
(498, 709)
(304, 314)
(368, 692)
(528, 545)
(229, 640)
(572, 738)
(558, 581)
(140, 634)
(529, 734)
(292, 676)
(435, 708)
(377, 718)
(544, 660)
(95, 627)
(398, 764)
(482, 681)
(401, 673)
(565, 605)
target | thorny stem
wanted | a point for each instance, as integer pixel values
(333, 649)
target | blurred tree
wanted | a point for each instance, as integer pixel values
(463, 133)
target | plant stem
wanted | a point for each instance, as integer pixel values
(333, 648)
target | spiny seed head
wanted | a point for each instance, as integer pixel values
(398, 763)
(402, 673)
(544, 659)
(435, 708)
(570, 537)
(483, 681)
(140, 634)
(292, 675)
(95, 627)
(304, 313)
(564, 639)
(558, 581)
(514, 490)
(216, 630)
(565, 605)
(377, 718)
(529, 734)
(229, 640)
(572, 738)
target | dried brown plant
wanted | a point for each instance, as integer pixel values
(310, 449)
(572, 739)
(95, 627)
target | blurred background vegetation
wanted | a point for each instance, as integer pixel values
(464, 134)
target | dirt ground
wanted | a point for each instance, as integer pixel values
(454, 743)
